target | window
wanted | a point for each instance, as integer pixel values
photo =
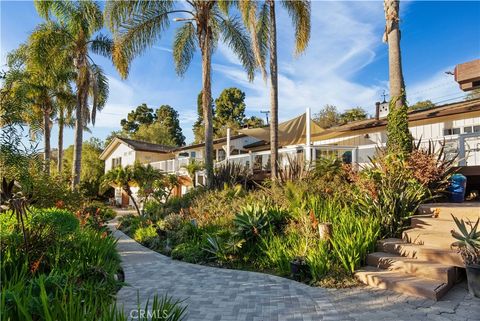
(451, 131)
(476, 129)
(116, 162)
(221, 155)
(467, 130)
(193, 154)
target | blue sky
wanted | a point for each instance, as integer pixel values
(346, 63)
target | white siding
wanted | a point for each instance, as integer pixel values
(126, 153)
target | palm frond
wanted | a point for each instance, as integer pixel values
(236, 37)
(98, 90)
(262, 38)
(184, 47)
(299, 11)
(102, 45)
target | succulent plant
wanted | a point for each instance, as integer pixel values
(468, 243)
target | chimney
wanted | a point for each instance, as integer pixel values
(377, 110)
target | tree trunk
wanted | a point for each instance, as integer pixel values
(273, 94)
(78, 140)
(206, 97)
(61, 124)
(82, 94)
(129, 193)
(392, 34)
(46, 139)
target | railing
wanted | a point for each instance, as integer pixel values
(172, 165)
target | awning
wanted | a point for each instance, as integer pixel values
(291, 132)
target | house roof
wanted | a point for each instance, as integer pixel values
(415, 118)
(136, 145)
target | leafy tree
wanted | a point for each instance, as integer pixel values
(253, 122)
(422, 105)
(138, 25)
(92, 167)
(142, 115)
(328, 117)
(264, 34)
(353, 114)
(155, 133)
(168, 118)
(131, 175)
(113, 134)
(230, 109)
(75, 32)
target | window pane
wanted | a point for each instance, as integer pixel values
(447, 131)
(467, 129)
(476, 129)
(456, 131)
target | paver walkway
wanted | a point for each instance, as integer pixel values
(227, 295)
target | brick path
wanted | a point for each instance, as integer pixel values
(227, 295)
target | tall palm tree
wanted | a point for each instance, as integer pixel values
(263, 27)
(392, 37)
(76, 31)
(65, 107)
(399, 138)
(44, 77)
(138, 25)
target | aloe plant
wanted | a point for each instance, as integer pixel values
(468, 243)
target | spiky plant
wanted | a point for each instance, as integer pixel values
(138, 25)
(468, 243)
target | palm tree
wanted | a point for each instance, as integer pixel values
(193, 167)
(264, 34)
(138, 25)
(65, 108)
(76, 32)
(45, 78)
(399, 138)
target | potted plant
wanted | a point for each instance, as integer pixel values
(468, 246)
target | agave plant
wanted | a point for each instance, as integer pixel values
(251, 221)
(468, 243)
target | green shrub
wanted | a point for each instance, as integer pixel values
(130, 223)
(189, 252)
(276, 254)
(319, 260)
(60, 222)
(251, 222)
(101, 210)
(146, 235)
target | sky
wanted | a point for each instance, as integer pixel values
(345, 64)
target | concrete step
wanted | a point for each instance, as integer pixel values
(467, 210)
(420, 252)
(430, 238)
(403, 283)
(432, 223)
(412, 267)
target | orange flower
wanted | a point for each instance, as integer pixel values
(60, 204)
(36, 265)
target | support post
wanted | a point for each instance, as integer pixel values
(250, 157)
(355, 158)
(308, 153)
(227, 156)
(461, 151)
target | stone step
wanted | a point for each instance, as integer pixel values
(412, 267)
(420, 252)
(430, 238)
(467, 210)
(403, 283)
(432, 223)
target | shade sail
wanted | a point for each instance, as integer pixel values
(291, 132)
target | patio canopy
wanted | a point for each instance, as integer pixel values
(291, 132)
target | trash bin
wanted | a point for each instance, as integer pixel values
(457, 187)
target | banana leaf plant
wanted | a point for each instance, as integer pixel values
(468, 243)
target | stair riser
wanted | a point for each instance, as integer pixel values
(384, 283)
(447, 258)
(443, 241)
(433, 224)
(447, 275)
(472, 213)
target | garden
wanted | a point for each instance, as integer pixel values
(316, 225)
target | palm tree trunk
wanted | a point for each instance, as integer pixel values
(397, 85)
(206, 97)
(273, 94)
(61, 124)
(46, 139)
(78, 140)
